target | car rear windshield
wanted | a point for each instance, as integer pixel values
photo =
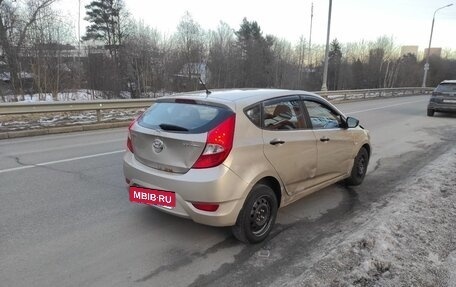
(446, 88)
(183, 117)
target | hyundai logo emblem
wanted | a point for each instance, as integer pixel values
(158, 145)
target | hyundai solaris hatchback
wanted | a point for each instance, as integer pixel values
(233, 157)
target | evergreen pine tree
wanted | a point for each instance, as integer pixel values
(104, 17)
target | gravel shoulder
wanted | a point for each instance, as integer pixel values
(411, 241)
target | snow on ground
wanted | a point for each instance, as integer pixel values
(78, 95)
(36, 121)
(409, 242)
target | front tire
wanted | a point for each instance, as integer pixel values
(257, 216)
(359, 168)
(430, 113)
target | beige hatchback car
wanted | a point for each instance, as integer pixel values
(233, 157)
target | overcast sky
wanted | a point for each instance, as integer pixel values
(407, 21)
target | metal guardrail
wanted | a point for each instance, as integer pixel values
(49, 107)
(374, 93)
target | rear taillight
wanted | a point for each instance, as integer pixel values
(129, 143)
(218, 145)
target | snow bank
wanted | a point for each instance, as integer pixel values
(410, 242)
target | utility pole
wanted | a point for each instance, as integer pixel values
(426, 66)
(310, 35)
(79, 26)
(79, 45)
(324, 88)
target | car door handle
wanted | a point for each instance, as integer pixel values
(276, 142)
(324, 139)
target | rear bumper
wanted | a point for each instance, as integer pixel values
(214, 185)
(442, 107)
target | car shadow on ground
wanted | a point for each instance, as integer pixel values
(309, 208)
(153, 218)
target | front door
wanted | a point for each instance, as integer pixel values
(335, 144)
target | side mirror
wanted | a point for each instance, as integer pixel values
(352, 122)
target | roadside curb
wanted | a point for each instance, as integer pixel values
(59, 130)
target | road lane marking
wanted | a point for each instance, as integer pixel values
(59, 161)
(384, 107)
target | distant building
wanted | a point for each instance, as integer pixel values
(194, 71)
(189, 77)
(405, 50)
(433, 52)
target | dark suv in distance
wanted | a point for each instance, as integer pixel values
(443, 98)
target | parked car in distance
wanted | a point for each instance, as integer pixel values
(443, 98)
(233, 157)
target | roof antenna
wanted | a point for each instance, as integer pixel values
(204, 86)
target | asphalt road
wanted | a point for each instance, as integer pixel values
(65, 218)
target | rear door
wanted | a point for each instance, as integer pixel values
(170, 136)
(289, 144)
(335, 144)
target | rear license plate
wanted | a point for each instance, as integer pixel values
(450, 101)
(152, 196)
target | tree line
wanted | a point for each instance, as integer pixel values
(118, 54)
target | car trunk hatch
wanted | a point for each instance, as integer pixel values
(171, 135)
(171, 152)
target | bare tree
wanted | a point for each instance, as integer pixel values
(300, 51)
(448, 53)
(142, 53)
(49, 57)
(191, 49)
(16, 18)
(283, 66)
(222, 59)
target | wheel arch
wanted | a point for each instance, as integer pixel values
(368, 149)
(275, 185)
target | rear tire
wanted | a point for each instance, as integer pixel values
(257, 216)
(359, 168)
(430, 113)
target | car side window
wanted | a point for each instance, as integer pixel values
(254, 115)
(322, 117)
(283, 114)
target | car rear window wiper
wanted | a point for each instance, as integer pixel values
(170, 127)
